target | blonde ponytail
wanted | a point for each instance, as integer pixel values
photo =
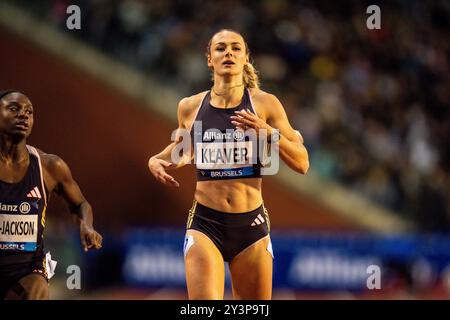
(251, 79)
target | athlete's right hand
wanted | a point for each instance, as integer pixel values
(158, 168)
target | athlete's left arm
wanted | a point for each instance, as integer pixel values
(64, 184)
(290, 144)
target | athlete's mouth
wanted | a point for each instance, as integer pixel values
(22, 125)
(228, 62)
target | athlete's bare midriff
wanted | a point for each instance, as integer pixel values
(231, 196)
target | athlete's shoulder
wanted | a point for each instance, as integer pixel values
(265, 102)
(48, 158)
(188, 105)
(261, 96)
(54, 165)
(192, 102)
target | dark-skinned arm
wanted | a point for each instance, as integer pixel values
(66, 186)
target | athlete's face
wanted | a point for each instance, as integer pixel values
(16, 115)
(227, 54)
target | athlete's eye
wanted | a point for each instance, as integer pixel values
(220, 48)
(30, 112)
(237, 49)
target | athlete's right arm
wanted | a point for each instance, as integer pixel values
(159, 163)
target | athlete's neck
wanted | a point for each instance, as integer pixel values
(227, 93)
(12, 151)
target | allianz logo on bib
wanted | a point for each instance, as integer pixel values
(24, 207)
(210, 135)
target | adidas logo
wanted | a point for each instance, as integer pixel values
(258, 220)
(35, 193)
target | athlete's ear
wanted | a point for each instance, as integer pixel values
(208, 59)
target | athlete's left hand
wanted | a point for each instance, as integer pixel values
(248, 120)
(89, 237)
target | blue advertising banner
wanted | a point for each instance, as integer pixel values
(304, 260)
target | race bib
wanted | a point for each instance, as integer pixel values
(18, 226)
(224, 155)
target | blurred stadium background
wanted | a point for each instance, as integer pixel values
(372, 106)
